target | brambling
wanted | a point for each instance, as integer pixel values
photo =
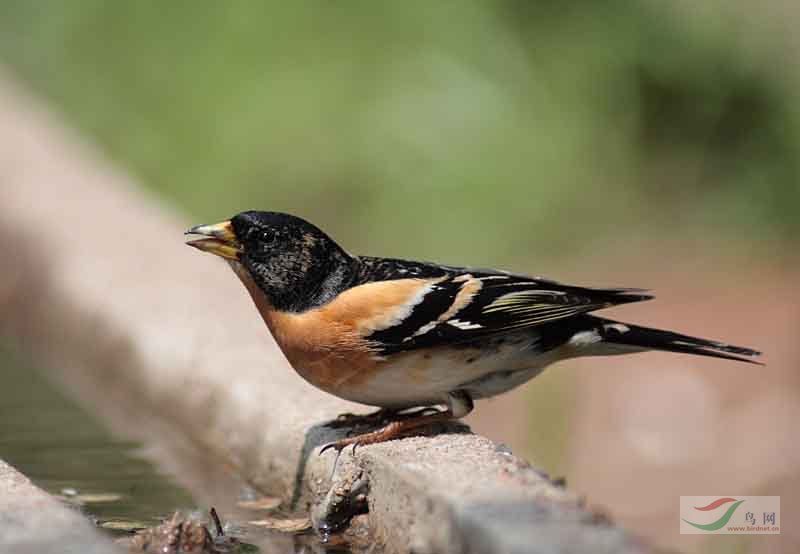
(401, 334)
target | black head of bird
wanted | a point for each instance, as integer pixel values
(294, 263)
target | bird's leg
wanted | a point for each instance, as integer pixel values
(459, 404)
(393, 430)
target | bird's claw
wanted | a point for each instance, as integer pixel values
(327, 447)
(338, 446)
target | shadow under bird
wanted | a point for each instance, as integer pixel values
(401, 334)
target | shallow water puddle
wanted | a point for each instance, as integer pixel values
(66, 451)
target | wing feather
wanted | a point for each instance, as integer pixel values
(471, 304)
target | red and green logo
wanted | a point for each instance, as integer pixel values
(731, 503)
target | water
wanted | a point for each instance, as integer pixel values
(66, 451)
(60, 447)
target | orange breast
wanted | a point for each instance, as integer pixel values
(326, 345)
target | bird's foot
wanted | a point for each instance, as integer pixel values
(373, 418)
(378, 417)
(393, 430)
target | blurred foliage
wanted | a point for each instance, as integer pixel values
(484, 133)
(468, 132)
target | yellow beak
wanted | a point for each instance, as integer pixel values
(222, 240)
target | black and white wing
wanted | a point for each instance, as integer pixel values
(467, 305)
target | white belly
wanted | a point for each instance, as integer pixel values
(425, 377)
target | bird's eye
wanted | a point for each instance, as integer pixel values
(260, 236)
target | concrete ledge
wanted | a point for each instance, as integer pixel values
(33, 522)
(102, 287)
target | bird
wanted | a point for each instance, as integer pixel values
(421, 341)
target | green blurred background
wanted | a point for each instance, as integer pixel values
(517, 134)
(477, 131)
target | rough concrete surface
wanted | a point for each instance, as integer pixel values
(102, 288)
(33, 522)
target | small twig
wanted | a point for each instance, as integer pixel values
(217, 523)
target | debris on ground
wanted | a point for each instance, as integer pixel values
(182, 534)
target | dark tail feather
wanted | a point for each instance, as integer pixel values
(656, 339)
